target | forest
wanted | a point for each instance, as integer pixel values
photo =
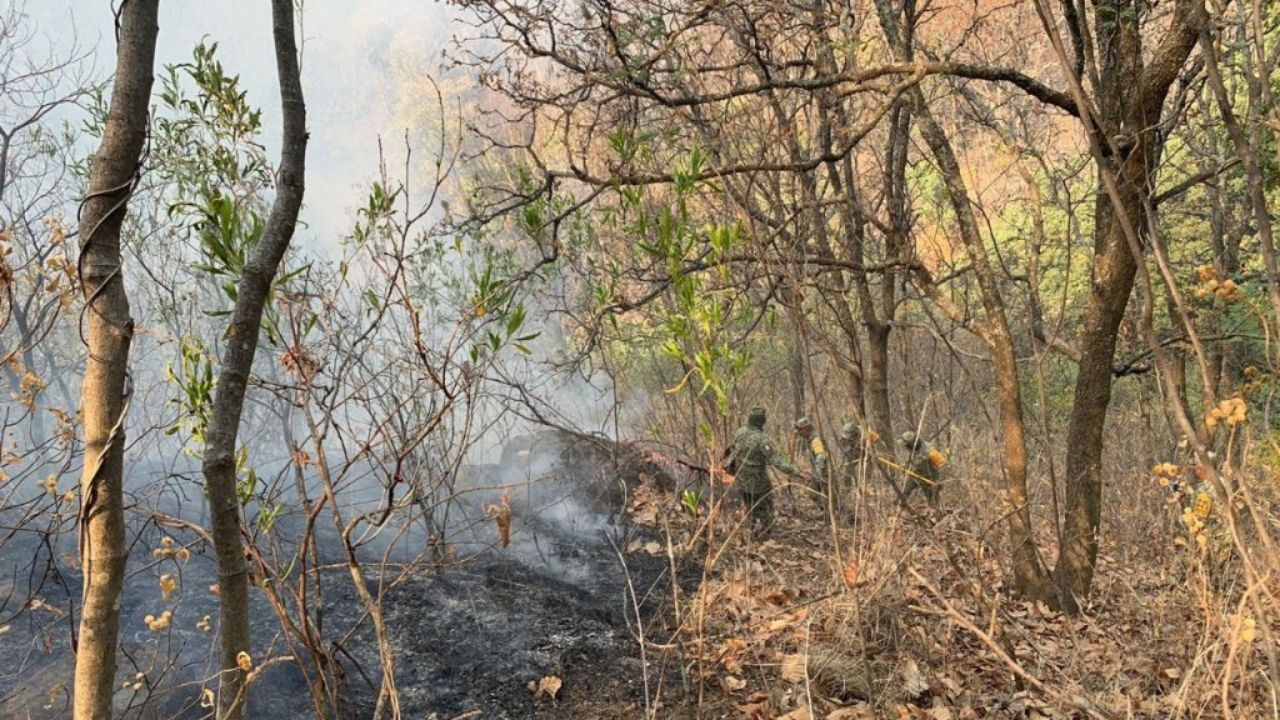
(743, 359)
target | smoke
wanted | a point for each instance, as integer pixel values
(348, 50)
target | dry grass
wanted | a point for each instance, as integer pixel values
(912, 620)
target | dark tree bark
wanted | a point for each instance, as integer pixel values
(253, 291)
(1129, 102)
(109, 333)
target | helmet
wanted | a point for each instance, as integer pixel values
(804, 423)
(756, 417)
(908, 438)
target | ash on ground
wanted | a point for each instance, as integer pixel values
(470, 633)
(561, 599)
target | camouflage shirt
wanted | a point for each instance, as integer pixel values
(753, 453)
(926, 461)
(851, 450)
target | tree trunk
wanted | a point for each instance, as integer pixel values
(1030, 579)
(109, 332)
(1130, 102)
(1113, 276)
(242, 343)
(877, 384)
(795, 365)
(1248, 147)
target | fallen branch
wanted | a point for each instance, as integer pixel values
(961, 619)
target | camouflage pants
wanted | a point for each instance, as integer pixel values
(820, 488)
(759, 502)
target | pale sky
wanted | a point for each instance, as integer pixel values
(349, 50)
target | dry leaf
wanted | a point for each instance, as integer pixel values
(800, 713)
(857, 712)
(501, 515)
(793, 668)
(244, 661)
(775, 597)
(168, 584)
(729, 652)
(550, 686)
(733, 682)
(757, 705)
(158, 624)
(913, 681)
(851, 572)
(788, 620)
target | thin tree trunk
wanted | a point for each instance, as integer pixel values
(795, 365)
(1248, 147)
(877, 384)
(242, 344)
(105, 393)
(1030, 579)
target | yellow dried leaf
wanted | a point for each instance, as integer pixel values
(793, 668)
(168, 584)
(550, 686)
(159, 624)
(243, 660)
(1203, 506)
(1245, 627)
(729, 653)
(502, 518)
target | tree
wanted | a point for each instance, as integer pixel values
(252, 295)
(1123, 119)
(109, 332)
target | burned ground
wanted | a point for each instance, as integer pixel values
(470, 632)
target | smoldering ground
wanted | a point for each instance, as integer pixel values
(472, 622)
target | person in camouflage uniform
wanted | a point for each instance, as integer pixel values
(818, 460)
(751, 458)
(924, 462)
(852, 453)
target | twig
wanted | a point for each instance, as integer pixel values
(1035, 682)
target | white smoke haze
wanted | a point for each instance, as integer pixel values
(357, 59)
(398, 439)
